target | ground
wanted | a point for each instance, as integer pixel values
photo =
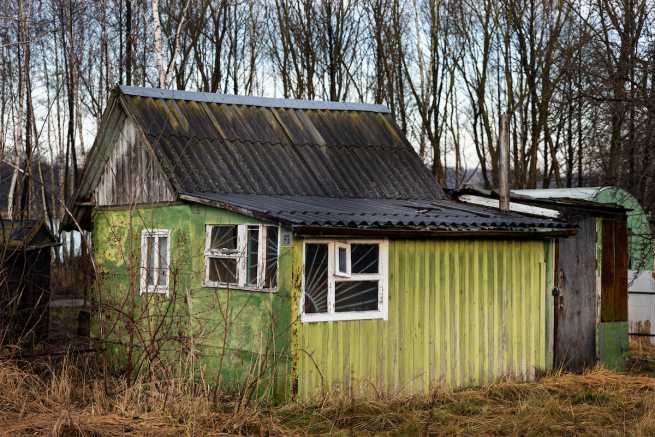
(62, 399)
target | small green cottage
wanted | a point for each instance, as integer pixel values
(300, 248)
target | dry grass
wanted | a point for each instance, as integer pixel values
(62, 400)
(641, 359)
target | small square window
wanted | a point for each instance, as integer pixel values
(364, 258)
(243, 256)
(224, 238)
(354, 289)
(355, 296)
(223, 270)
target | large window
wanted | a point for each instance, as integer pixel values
(344, 280)
(155, 255)
(241, 256)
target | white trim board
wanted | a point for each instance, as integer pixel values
(513, 206)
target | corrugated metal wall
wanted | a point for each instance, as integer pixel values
(461, 312)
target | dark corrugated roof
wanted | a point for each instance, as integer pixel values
(230, 144)
(25, 233)
(376, 213)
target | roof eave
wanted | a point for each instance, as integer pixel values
(248, 212)
(417, 232)
(590, 206)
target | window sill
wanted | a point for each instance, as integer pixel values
(341, 317)
(237, 287)
(158, 290)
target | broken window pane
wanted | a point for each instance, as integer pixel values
(163, 261)
(223, 270)
(253, 258)
(355, 296)
(316, 278)
(150, 260)
(364, 258)
(270, 280)
(224, 237)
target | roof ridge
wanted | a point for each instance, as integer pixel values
(266, 102)
(246, 141)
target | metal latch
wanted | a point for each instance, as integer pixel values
(556, 291)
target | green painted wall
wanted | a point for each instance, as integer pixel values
(611, 337)
(613, 344)
(461, 312)
(218, 334)
(641, 252)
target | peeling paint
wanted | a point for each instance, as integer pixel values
(248, 329)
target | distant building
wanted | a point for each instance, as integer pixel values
(25, 255)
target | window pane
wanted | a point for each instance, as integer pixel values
(223, 270)
(163, 261)
(252, 261)
(150, 260)
(316, 278)
(355, 296)
(270, 280)
(364, 258)
(224, 237)
(342, 253)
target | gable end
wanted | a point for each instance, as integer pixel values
(131, 174)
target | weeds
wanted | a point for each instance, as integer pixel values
(67, 398)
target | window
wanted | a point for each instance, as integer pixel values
(241, 256)
(344, 280)
(342, 260)
(155, 256)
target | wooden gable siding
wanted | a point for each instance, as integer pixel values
(131, 174)
(614, 276)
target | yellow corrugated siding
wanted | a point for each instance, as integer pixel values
(461, 312)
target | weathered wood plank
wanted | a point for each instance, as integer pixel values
(132, 175)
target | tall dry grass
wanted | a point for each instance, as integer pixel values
(66, 399)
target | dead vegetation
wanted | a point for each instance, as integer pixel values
(62, 400)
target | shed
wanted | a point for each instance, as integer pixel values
(639, 230)
(304, 246)
(25, 254)
(591, 281)
(641, 286)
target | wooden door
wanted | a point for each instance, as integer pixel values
(614, 273)
(575, 306)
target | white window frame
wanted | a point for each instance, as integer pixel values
(337, 272)
(156, 234)
(241, 257)
(382, 277)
